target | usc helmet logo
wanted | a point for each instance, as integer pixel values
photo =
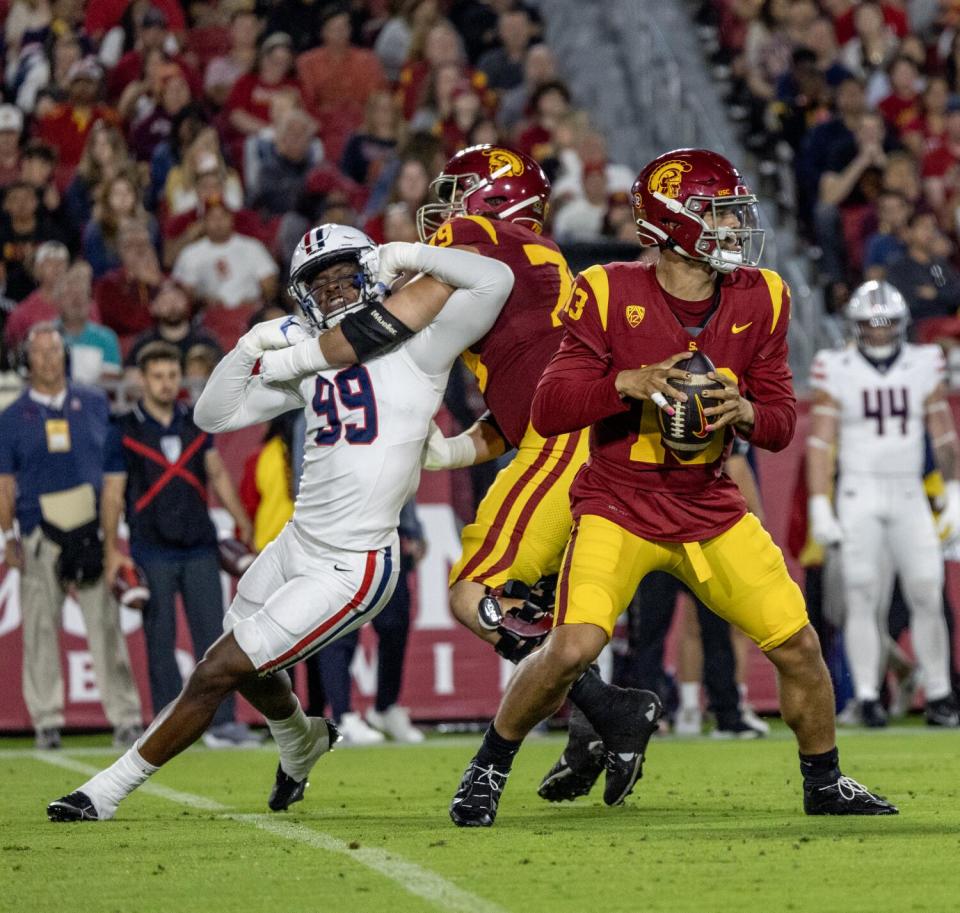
(503, 158)
(666, 179)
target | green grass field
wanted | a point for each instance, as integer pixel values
(713, 826)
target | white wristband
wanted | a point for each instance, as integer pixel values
(461, 451)
(9, 534)
(448, 452)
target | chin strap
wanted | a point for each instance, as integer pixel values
(522, 628)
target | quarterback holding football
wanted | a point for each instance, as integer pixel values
(654, 494)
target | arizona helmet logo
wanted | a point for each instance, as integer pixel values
(504, 158)
(666, 179)
(635, 314)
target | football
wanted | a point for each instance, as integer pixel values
(685, 431)
(235, 557)
(130, 588)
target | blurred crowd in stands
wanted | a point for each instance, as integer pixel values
(857, 106)
(159, 161)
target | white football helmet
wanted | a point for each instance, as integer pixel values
(878, 316)
(326, 246)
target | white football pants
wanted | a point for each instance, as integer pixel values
(888, 530)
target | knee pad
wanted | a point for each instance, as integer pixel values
(248, 638)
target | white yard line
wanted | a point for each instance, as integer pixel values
(423, 883)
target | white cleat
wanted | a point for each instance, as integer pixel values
(689, 722)
(394, 722)
(750, 717)
(355, 731)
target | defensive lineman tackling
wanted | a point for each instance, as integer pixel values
(334, 566)
(875, 400)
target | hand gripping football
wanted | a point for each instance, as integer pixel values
(685, 431)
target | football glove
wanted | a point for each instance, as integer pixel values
(824, 526)
(272, 334)
(948, 523)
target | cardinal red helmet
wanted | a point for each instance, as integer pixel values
(491, 181)
(694, 202)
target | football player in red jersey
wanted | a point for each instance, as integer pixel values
(493, 200)
(639, 507)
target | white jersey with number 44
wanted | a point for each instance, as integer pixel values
(882, 413)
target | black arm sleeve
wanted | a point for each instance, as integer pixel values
(373, 330)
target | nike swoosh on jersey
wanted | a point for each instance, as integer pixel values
(736, 328)
(336, 567)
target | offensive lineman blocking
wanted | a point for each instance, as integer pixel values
(493, 200)
(334, 565)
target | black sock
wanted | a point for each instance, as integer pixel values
(821, 768)
(496, 749)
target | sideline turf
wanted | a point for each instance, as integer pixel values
(714, 826)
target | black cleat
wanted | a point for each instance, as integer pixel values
(737, 729)
(942, 712)
(873, 715)
(844, 797)
(73, 807)
(475, 802)
(626, 744)
(286, 790)
(578, 767)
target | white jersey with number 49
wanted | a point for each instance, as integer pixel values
(881, 421)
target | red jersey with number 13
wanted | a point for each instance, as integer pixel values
(509, 360)
(617, 319)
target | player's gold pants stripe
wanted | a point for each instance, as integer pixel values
(569, 444)
(529, 490)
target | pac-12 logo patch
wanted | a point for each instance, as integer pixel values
(666, 179)
(635, 314)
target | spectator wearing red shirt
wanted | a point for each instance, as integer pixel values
(550, 103)
(223, 71)
(247, 110)
(49, 265)
(466, 109)
(337, 79)
(894, 17)
(443, 46)
(11, 126)
(66, 126)
(123, 295)
(940, 166)
(153, 34)
(926, 132)
(105, 14)
(902, 107)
